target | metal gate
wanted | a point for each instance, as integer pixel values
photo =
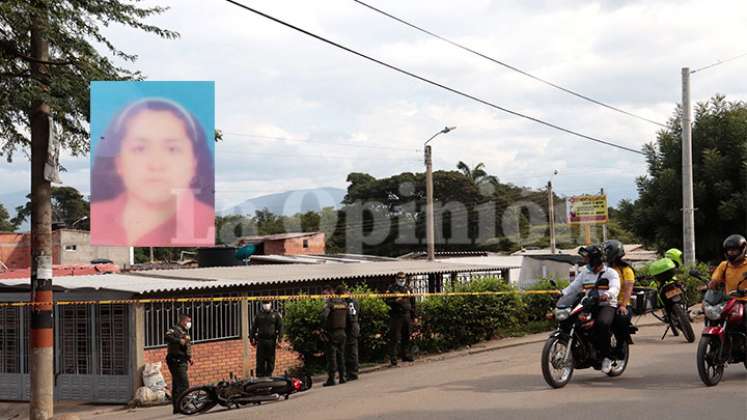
(91, 355)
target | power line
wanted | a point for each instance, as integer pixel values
(718, 63)
(310, 141)
(510, 67)
(423, 79)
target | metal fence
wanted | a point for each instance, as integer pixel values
(210, 321)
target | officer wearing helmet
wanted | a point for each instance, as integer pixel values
(615, 252)
(594, 270)
(675, 255)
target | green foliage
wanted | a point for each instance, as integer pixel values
(74, 30)
(719, 174)
(5, 224)
(539, 305)
(68, 206)
(450, 322)
(302, 326)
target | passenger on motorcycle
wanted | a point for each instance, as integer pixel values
(594, 270)
(732, 271)
(615, 252)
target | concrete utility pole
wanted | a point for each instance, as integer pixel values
(41, 362)
(429, 222)
(551, 211)
(604, 226)
(688, 206)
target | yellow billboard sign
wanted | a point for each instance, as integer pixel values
(587, 209)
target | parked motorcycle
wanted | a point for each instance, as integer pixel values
(724, 338)
(570, 346)
(672, 299)
(235, 392)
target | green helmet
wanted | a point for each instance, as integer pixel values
(661, 266)
(675, 255)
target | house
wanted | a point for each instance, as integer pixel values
(69, 247)
(100, 349)
(297, 243)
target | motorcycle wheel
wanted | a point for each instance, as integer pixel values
(711, 371)
(197, 400)
(620, 365)
(683, 322)
(556, 375)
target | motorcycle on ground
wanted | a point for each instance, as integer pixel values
(724, 339)
(235, 392)
(570, 346)
(672, 298)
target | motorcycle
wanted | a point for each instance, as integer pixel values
(724, 338)
(235, 392)
(575, 326)
(672, 299)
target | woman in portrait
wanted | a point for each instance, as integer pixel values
(152, 181)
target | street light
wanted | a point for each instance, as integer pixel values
(72, 226)
(429, 222)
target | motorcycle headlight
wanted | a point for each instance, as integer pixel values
(562, 314)
(713, 312)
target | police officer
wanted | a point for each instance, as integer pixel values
(352, 332)
(401, 315)
(334, 320)
(179, 357)
(265, 335)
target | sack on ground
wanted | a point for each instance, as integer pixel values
(152, 377)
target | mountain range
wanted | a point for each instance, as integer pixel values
(290, 202)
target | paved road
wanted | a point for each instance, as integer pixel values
(660, 383)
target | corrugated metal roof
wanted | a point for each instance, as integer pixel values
(155, 281)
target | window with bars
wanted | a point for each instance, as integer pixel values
(112, 332)
(210, 321)
(10, 340)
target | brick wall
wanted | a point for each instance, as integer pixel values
(294, 246)
(214, 361)
(15, 249)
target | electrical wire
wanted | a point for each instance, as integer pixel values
(312, 142)
(510, 67)
(431, 82)
(719, 62)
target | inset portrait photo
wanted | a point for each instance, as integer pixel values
(152, 163)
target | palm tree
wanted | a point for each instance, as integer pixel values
(477, 175)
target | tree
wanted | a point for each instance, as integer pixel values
(6, 225)
(68, 207)
(719, 174)
(72, 29)
(477, 175)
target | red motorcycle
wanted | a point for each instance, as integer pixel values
(724, 338)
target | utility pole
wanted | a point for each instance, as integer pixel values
(429, 230)
(551, 211)
(429, 222)
(41, 362)
(688, 206)
(604, 226)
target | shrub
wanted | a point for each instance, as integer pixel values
(539, 305)
(303, 325)
(450, 322)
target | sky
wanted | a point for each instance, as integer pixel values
(297, 113)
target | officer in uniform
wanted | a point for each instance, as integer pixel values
(179, 357)
(352, 332)
(401, 314)
(265, 333)
(335, 320)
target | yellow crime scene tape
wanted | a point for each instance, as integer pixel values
(273, 298)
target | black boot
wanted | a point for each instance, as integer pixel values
(330, 381)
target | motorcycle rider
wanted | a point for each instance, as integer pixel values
(675, 255)
(732, 271)
(595, 269)
(615, 252)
